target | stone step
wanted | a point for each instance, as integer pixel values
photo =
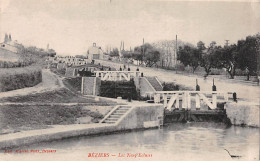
(114, 116)
(123, 108)
(120, 112)
(117, 114)
(111, 119)
(110, 122)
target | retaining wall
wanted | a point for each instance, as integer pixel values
(243, 113)
(145, 87)
(145, 116)
(90, 86)
(142, 116)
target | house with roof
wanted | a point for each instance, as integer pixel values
(9, 44)
(95, 52)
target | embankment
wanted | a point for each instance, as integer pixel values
(17, 78)
(140, 117)
(243, 113)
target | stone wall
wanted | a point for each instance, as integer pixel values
(90, 86)
(145, 87)
(243, 113)
(142, 116)
(145, 116)
(70, 72)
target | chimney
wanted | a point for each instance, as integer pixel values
(94, 44)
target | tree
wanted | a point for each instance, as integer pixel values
(248, 52)
(189, 56)
(201, 46)
(209, 59)
(151, 57)
(227, 57)
(146, 54)
(114, 53)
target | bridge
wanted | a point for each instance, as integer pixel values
(192, 105)
(117, 75)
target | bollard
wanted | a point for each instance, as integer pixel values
(214, 88)
(120, 68)
(197, 86)
(109, 68)
(128, 69)
(137, 69)
(142, 74)
(235, 96)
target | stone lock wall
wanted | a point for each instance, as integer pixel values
(90, 85)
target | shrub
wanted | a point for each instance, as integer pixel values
(17, 78)
(170, 87)
(124, 89)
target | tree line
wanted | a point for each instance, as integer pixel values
(244, 55)
(145, 54)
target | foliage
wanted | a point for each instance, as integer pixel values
(17, 78)
(28, 56)
(146, 54)
(114, 89)
(114, 53)
(248, 51)
(227, 58)
(170, 87)
(208, 60)
(189, 56)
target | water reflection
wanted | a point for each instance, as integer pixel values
(191, 141)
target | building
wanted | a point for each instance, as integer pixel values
(95, 52)
(10, 45)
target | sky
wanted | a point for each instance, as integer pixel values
(71, 26)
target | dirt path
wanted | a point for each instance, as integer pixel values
(50, 81)
(245, 91)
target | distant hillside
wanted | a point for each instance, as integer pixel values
(8, 56)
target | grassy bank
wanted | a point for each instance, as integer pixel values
(19, 118)
(58, 96)
(17, 78)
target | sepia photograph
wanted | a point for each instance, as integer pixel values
(129, 80)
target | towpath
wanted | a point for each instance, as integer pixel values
(50, 81)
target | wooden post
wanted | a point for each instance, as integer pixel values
(102, 75)
(188, 101)
(109, 75)
(177, 105)
(120, 76)
(214, 100)
(157, 98)
(184, 101)
(82, 85)
(128, 76)
(197, 102)
(164, 100)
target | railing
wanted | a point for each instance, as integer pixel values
(172, 99)
(117, 75)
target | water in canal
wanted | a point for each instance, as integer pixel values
(177, 141)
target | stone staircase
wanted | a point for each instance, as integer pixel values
(115, 114)
(155, 83)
